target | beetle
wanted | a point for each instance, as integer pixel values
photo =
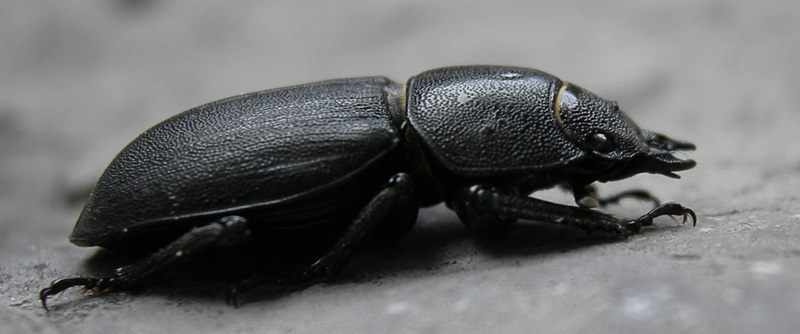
(321, 168)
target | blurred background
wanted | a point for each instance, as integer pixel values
(80, 79)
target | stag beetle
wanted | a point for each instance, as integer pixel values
(327, 166)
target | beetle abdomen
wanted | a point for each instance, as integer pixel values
(250, 150)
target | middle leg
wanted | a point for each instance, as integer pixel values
(393, 201)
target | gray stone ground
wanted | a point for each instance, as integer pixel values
(79, 80)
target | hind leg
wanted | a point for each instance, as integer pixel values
(223, 231)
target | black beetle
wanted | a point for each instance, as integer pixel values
(323, 167)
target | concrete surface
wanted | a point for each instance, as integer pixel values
(79, 80)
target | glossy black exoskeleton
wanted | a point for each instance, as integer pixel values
(327, 166)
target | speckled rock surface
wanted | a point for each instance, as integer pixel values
(80, 80)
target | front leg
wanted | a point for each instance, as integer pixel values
(482, 205)
(586, 197)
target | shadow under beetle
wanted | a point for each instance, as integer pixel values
(312, 171)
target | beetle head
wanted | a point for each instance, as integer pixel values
(616, 148)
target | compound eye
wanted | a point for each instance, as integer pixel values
(600, 142)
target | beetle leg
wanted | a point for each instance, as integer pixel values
(377, 211)
(640, 194)
(490, 204)
(393, 201)
(472, 207)
(223, 231)
(662, 210)
(586, 197)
